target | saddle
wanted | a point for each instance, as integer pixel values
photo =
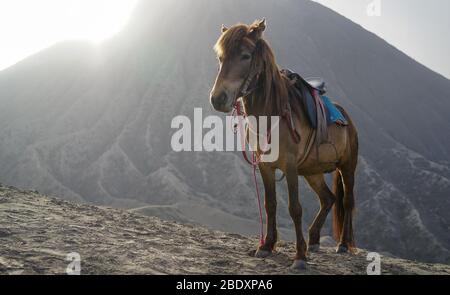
(316, 83)
(321, 112)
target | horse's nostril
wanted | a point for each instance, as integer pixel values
(223, 98)
(219, 99)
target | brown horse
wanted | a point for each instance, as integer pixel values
(247, 62)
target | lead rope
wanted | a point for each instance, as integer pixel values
(254, 162)
(258, 196)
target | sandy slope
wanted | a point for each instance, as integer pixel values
(37, 232)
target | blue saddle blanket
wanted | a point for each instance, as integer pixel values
(334, 115)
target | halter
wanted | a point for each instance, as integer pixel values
(252, 76)
(245, 90)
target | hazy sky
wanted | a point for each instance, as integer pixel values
(420, 28)
(417, 27)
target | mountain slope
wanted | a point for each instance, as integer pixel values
(92, 123)
(38, 233)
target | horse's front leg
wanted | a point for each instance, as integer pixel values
(295, 210)
(270, 202)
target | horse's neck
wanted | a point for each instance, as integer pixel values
(255, 105)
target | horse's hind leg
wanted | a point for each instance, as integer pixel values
(326, 197)
(344, 182)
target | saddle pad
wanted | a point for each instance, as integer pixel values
(334, 115)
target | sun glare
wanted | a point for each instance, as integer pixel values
(27, 26)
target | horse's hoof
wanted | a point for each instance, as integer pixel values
(262, 253)
(299, 265)
(314, 248)
(341, 249)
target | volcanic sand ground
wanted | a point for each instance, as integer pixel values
(38, 232)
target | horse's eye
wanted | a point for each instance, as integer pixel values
(246, 56)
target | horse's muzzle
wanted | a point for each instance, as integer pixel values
(221, 102)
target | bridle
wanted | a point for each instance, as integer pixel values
(252, 76)
(245, 90)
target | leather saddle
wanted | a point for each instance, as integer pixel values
(318, 84)
(315, 83)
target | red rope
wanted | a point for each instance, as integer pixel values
(254, 162)
(258, 196)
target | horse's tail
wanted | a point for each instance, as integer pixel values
(339, 210)
(343, 189)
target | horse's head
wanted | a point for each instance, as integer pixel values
(237, 65)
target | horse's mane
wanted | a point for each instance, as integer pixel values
(275, 86)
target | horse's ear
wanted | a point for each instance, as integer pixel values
(257, 29)
(224, 29)
(263, 24)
